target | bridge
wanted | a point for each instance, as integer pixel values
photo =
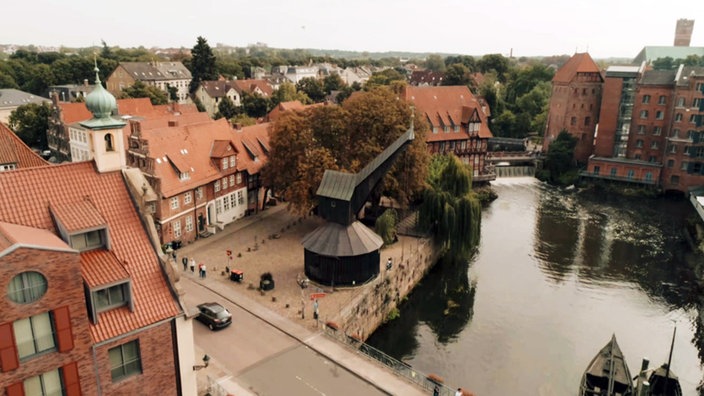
(515, 163)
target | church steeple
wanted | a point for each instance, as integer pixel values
(101, 103)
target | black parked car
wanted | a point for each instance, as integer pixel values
(214, 315)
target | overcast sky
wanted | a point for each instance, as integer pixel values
(604, 28)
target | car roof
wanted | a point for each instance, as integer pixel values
(212, 306)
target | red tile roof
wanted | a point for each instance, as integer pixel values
(251, 85)
(77, 216)
(448, 106)
(253, 144)
(18, 235)
(14, 151)
(578, 63)
(25, 195)
(101, 267)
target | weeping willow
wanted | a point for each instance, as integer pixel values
(450, 208)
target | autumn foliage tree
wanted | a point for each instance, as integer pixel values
(345, 138)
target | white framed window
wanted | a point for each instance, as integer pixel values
(217, 185)
(34, 335)
(657, 131)
(174, 202)
(226, 203)
(680, 101)
(224, 183)
(232, 161)
(224, 163)
(233, 203)
(218, 206)
(125, 360)
(239, 178)
(177, 228)
(644, 114)
(199, 193)
(662, 100)
(47, 384)
(189, 224)
(187, 198)
(111, 297)
(232, 180)
(646, 98)
(240, 198)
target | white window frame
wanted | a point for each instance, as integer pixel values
(187, 198)
(224, 163)
(176, 225)
(189, 224)
(217, 185)
(239, 178)
(232, 180)
(174, 202)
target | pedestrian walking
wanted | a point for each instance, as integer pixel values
(200, 270)
(184, 260)
(436, 391)
(388, 264)
(173, 255)
(193, 265)
(459, 392)
(203, 270)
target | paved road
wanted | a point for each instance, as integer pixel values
(265, 360)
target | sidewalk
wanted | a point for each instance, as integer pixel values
(255, 253)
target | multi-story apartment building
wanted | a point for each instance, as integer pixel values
(206, 174)
(458, 124)
(212, 93)
(88, 306)
(163, 75)
(574, 104)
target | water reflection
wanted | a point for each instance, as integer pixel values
(556, 274)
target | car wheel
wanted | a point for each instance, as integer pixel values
(210, 326)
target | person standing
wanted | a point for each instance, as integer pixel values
(184, 260)
(203, 269)
(388, 264)
(459, 392)
(315, 309)
(436, 391)
(193, 265)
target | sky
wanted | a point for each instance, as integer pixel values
(604, 28)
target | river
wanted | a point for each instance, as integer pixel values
(556, 274)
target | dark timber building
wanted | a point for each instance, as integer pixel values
(344, 251)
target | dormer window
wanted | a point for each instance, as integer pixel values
(225, 163)
(184, 176)
(88, 240)
(232, 161)
(111, 297)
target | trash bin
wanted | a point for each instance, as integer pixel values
(236, 275)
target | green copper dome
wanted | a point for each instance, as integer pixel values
(100, 102)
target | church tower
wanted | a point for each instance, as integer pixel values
(106, 136)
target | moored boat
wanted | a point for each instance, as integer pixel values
(607, 374)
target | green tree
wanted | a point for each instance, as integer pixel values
(287, 92)
(385, 226)
(666, 63)
(465, 60)
(31, 122)
(172, 92)
(494, 62)
(255, 105)
(141, 90)
(313, 88)
(226, 108)
(435, 63)
(450, 209)
(559, 161)
(202, 64)
(7, 81)
(333, 82)
(384, 77)
(458, 74)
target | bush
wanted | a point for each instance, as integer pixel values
(386, 226)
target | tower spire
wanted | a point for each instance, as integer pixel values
(95, 62)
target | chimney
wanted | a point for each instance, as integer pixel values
(85, 82)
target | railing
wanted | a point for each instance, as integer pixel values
(398, 367)
(633, 179)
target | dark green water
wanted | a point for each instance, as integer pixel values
(555, 275)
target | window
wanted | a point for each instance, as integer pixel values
(672, 149)
(596, 170)
(239, 178)
(26, 287)
(649, 176)
(125, 361)
(232, 161)
(652, 158)
(657, 131)
(654, 145)
(573, 121)
(111, 297)
(644, 114)
(639, 143)
(699, 87)
(240, 198)
(218, 206)
(174, 203)
(670, 163)
(646, 99)
(226, 203)
(189, 224)
(199, 193)
(187, 198)
(108, 143)
(641, 129)
(47, 384)
(697, 102)
(587, 121)
(233, 202)
(446, 129)
(224, 183)
(659, 115)
(87, 240)
(34, 335)
(631, 174)
(184, 176)
(674, 179)
(224, 163)
(177, 228)
(217, 185)
(613, 172)
(693, 118)
(151, 207)
(678, 117)
(680, 101)
(232, 180)
(662, 100)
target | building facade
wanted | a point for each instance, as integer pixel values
(163, 75)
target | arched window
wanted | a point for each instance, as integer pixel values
(108, 143)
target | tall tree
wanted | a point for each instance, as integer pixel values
(202, 64)
(31, 122)
(287, 92)
(226, 108)
(333, 82)
(458, 74)
(255, 105)
(313, 88)
(435, 63)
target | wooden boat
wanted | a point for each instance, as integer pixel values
(607, 374)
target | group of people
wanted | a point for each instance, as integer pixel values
(192, 264)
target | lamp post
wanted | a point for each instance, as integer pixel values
(206, 360)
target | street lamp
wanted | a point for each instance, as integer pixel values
(206, 360)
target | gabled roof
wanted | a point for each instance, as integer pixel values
(578, 63)
(13, 236)
(24, 200)
(101, 267)
(217, 88)
(222, 148)
(11, 98)
(14, 151)
(252, 142)
(77, 216)
(250, 86)
(448, 106)
(156, 71)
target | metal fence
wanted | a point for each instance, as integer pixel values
(400, 368)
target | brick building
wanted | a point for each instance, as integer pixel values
(458, 124)
(163, 75)
(89, 307)
(574, 104)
